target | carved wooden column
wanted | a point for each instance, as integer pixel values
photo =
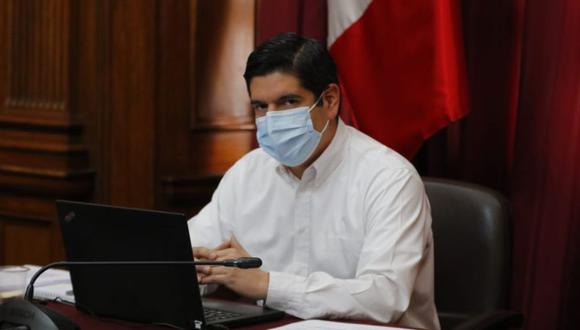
(127, 72)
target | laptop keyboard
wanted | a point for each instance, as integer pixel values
(213, 315)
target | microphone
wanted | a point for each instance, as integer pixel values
(18, 312)
(245, 263)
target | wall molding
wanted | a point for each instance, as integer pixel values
(190, 189)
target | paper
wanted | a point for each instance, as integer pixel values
(10, 294)
(60, 292)
(51, 276)
(330, 325)
(53, 284)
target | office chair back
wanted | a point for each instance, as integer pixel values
(472, 239)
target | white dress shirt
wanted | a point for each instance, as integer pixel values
(351, 239)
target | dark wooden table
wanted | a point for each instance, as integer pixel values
(88, 322)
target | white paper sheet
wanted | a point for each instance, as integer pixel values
(52, 284)
(61, 292)
(330, 325)
(49, 277)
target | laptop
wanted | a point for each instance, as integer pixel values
(155, 294)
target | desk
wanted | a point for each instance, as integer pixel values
(87, 322)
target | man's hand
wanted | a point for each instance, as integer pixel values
(251, 283)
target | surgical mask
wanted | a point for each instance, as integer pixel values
(288, 135)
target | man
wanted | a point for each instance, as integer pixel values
(341, 222)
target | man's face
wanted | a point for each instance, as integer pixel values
(282, 91)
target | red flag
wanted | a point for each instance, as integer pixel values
(401, 66)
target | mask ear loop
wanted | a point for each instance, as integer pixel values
(324, 128)
(312, 108)
(316, 103)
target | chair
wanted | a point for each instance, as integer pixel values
(472, 238)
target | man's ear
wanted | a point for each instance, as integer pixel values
(331, 100)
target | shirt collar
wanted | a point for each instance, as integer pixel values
(326, 163)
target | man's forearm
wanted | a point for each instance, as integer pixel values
(319, 295)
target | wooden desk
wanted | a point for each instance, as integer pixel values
(87, 322)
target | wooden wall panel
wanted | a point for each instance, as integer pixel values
(223, 38)
(18, 235)
(42, 151)
(210, 125)
(38, 53)
(174, 90)
(131, 101)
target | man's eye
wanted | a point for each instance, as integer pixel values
(259, 107)
(290, 102)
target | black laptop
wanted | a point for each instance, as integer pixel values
(156, 294)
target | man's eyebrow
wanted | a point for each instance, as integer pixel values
(257, 102)
(286, 97)
(280, 99)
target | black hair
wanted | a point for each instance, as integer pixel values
(305, 58)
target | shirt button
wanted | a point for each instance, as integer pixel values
(308, 174)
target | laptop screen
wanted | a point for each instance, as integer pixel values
(148, 294)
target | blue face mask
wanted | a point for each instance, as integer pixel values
(288, 135)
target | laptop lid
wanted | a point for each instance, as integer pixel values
(148, 294)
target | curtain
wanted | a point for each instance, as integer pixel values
(545, 180)
(307, 18)
(522, 137)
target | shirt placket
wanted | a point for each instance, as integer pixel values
(302, 217)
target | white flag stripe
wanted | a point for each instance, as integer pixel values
(341, 15)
